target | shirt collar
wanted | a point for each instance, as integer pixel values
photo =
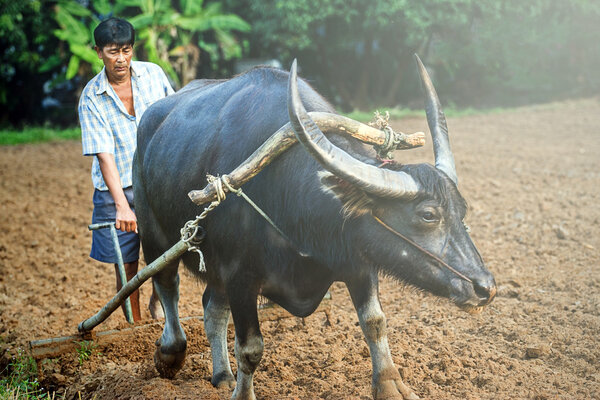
(102, 86)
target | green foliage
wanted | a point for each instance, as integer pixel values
(76, 29)
(531, 51)
(358, 53)
(481, 52)
(85, 350)
(20, 381)
(27, 56)
(37, 135)
(373, 40)
(14, 33)
(172, 37)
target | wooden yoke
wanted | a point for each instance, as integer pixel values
(285, 137)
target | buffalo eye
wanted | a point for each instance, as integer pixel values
(429, 216)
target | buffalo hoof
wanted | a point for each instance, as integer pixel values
(243, 395)
(391, 387)
(390, 390)
(224, 380)
(168, 365)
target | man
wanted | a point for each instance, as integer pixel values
(110, 109)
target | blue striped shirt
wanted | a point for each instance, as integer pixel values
(107, 127)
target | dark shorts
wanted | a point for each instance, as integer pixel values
(103, 248)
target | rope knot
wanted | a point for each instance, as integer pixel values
(392, 139)
(217, 182)
(193, 235)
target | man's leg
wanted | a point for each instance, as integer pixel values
(130, 271)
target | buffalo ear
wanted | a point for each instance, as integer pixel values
(355, 201)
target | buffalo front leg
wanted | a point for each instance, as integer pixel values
(216, 318)
(170, 348)
(248, 339)
(387, 383)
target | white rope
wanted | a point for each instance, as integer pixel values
(221, 186)
(190, 229)
(217, 182)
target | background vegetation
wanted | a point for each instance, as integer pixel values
(483, 53)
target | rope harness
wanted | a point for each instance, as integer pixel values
(422, 250)
(192, 228)
(221, 184)
(240, 193)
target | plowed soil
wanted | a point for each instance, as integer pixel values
(531, 177)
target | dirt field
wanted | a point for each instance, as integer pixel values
(532, 180)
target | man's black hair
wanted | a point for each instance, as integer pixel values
(114, 31)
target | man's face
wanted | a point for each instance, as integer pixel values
(117, 60)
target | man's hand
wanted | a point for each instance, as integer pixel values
(126, 220)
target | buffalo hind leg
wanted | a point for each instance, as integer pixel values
(387, 383)
(248, 339)
(216, 318)
(170, 348)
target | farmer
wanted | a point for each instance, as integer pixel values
(110, 109)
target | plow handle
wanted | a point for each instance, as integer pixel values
(155, 267)
(121, 266)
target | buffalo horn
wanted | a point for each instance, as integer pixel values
(444, 160)
(377, 181)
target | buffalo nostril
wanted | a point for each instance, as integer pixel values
(486, 290)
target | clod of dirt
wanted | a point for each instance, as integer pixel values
(5, 356)
(561, 232)
(514, 283)
(58, 379)
(537, 351)
(506, 291)
(92, 384)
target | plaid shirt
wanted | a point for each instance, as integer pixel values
(107, 127)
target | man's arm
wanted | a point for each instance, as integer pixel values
(97, 140)
(125, 220)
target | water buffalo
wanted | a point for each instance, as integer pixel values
(343, 218)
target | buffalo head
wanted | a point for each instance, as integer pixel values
(408, 218)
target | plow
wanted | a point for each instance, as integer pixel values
(384, 141)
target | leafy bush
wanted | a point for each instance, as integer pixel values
(27, 60)
(172, 37)
(49, 45)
